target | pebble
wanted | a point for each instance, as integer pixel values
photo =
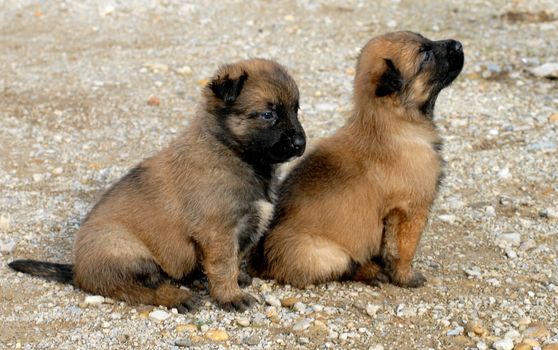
(7, 247)
(317, 308)
(303, 340)
(302, 325)
(289, 302)
(547, 70)
(512, 334)
(4, 222)
(538, 332)
(552, 346)
(157, 67)
(159, 315)
(456, 331)
(94, 299)
(474, 271)
(523, 346)
(481, 345)
(252, 340)
(503, 344)
(184, 70)
(272, 300)
(504, 174)
(449, 218)
(549, 213)
(190, 327)
(216, 335)
(243, 321)
(508, 239)
(376, 347)
(404, 311)
(299, 307)
(183, 342)
(57, 171)
(372, 309)
(476, 328)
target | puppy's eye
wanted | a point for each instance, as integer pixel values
(267, 116)
(427, 56)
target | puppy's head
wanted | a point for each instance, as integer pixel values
(255, 103)
(407, 68)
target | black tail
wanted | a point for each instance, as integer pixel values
(63, 273)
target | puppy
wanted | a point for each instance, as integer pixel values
(356, 206)
(201, 202)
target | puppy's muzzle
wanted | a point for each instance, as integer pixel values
(298, 144)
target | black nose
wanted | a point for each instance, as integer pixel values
(299, 143)
(455, 45)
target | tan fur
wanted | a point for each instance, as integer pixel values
(179, 210)
(363, 193)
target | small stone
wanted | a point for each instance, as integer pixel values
(549, 213)
(527, 245)
(474, 271)
(216, 335)
(4, 222)
(252, 340)
(552, 346)
(553, 118)
(38, 177)
(511, 253)
(317, 308)
(191, 328)
(159, 315)
(272, 300)
(153, 101)
(243, 321)
(94, 299)
(512, 334)
(116, 316)
(523, 346)
(303, 340)
(57, 171)
(106, 11)
(508, 239)
(391, 24)
(490, 211)
(481, 345)
(376, 347)
(547, 70)
(503, 344)
(157, 67)
(7, 247)
(494, 68)
(183, 342)
(537, 332)
(289, 18)
(449, 218)
(456, 331)
(372, 309)
(475, 328)
(302, 325)
(504, 174)
(289, 302)
(184, 70)
(404, 311)
(300, 307)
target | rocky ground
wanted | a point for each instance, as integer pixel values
(89, 88)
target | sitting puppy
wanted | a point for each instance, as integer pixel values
(200, 202)
(356, 206)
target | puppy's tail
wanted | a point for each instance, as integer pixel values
(63, 273)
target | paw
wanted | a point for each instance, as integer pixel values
(376, 280)
(415, 280)
(240, 303)
(244, 280)
(187, 305)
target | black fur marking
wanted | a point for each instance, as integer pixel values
(391, 81)
(257, 264)
(228, 89)
(134, 175)
(149, 274)
(349, 275)
(63, 273)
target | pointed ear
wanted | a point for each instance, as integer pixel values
(226, 88)
(391, 81)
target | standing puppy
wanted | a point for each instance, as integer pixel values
(201, 201)
(356, 206)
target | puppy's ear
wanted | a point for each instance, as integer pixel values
(226, 88)
(391, 81)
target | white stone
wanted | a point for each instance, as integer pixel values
(372, 309)
(376, 347)
(512, 334)
(449, 218)
(503, 344)
(456, 331)
(4, 222)
(508, 239)
(302, 325)
(7, 247)
(504, 174)
(404, 311)
(547, 70)
(272, 300)
(300, 307)
(481, 346)
(159, 315)
(94, 299)
(243, 321)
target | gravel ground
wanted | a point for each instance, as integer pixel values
(75, 81)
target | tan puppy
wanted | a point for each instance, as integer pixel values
(200, 202)
(355, 207)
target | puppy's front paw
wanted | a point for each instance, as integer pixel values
(414, 280)
(240, 303)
